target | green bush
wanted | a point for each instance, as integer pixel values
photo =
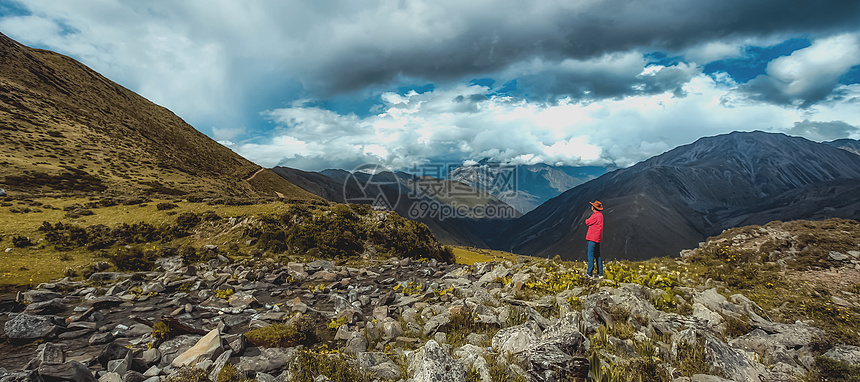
(21, 241)
(165, 206)
(189, 374)
(300, 332)
(190, 255)
(133, 259)
(187, 220)
(832, 370)
(229, 373)
(337, 367)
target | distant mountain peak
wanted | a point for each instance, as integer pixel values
(676, 199)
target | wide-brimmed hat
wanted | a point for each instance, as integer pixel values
(597, 205)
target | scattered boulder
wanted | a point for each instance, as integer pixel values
(845, 353)
(432, 364)
(207, 347)
(29, 327)
(68, 371)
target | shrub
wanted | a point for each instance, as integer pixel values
(189, 374)
(187, 220)
(133, 259)
(165, 206)
(309, 365)
(21, 241)
(161, 330)
(190, 255)
(229, 373)
(299, 332)
(835, 371)
(736, 327)
(691, 359)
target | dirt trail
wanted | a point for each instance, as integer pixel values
(255, 174)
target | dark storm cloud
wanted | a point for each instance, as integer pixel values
(823, 131)
(463, 41)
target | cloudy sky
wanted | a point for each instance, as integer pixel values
(338, 83)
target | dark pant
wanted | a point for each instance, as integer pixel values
(594, 258)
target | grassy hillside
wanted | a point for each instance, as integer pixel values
(65, 129)
(47, 238)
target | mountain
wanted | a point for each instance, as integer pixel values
(455, 212)
(850, 145)
(65, 128)
(673, 201)
(524, 187)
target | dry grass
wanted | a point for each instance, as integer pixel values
(470, 255)
(40, 263)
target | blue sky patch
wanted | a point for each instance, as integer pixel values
(420, 89)
(754, 64)
(13, 8)
(660, 58)
(487, 82)
(852, 77)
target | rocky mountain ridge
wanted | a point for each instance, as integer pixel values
(525, 187)
(675, 200)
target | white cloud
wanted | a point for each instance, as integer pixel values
(808, 76)
(468, 123)
(819, 65)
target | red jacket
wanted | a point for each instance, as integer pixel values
(595, 227)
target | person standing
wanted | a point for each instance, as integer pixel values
(594, 238)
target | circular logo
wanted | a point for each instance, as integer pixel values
(372, 184)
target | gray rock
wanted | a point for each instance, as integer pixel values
(101, 338)
(51, 353)
(111, 352)
(838, 256)
(317, 265)
(707, 378)
(110, 377)
(152, 372)
(170, 349)
(69, 371)
(356, 343)
(270, 359)
(219, 364)
(379, 365)
(19, 376)
(206, 348)
(32, 296)
(435, 323)
(133, 376)
(733, 362)
(244, 300)
(46, 307)
(29, 327)
(498, 272)
(107, 276)
(476, 339)
(515, 339)
(391, 329)
(472, 357)
(846, 353)
(432, 364)
(151, 356)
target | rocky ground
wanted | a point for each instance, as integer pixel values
(398, 319)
